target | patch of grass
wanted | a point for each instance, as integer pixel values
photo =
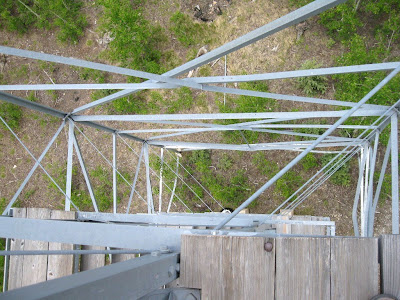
(342, 175)
(305, 211)
(266, 167)
(309, 161)
(288, 184)
(230, 192)
(11, 113)
(29, 193)
(93, 75)
(312, 85)
(225, 162)
(189, 32)
(103, 188)
(184, 101)
(135, 41)
(65, 16)
(32, 97)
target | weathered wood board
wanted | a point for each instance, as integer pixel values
(227, 267)
(302, 268)
(390, 264)
(121, 257)
(34, 268)
(92, 261)
(354, 268)
(16, 261)
(60, 265)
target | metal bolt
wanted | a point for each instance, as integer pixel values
(268, 246)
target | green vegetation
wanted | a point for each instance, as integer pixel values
(309, 161)
(135, 42)
(342, 175)
(101, 182)
(188, 32)
(144, 102)
(11, 113)
(65, 16)
(266, 167)
(229, 192)
(246, 104)
(288, 184)
(312, 85)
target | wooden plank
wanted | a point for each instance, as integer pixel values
(302, 268)
(35, 266)
(92, 261)
(16, 261)
(60, 265)
(390, 264)
(302, 229)
(354, 268)
(286, 214)
(227, 267)
(121, 257)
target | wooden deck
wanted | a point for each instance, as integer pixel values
(226, 267)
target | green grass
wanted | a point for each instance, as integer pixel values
(312, 85)
(230, 192)
(288, 184)
(266, 167)
(342, 176)
(64, 16)
(11, 113)
(136, 42)
(188, 32)
(309, 162)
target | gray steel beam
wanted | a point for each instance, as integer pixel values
(129, 279)
(135, 180)
(72, 252)
(275, 96)
(68, 186)
(150, 203)
(32, 105)
(96, 66)
(86, 86)
(161, 180)
(35, 166)
(378, 189)
(394, 140)
(300, 126)
(185, 146)
(370, 193)
(114, 172)
(54, 112)
(311, 147)
(85, 173)
(226, 116)
(234, 91)
(357, 195)
(298, 73)
(188, 219)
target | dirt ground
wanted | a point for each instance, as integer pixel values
(281, 51)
